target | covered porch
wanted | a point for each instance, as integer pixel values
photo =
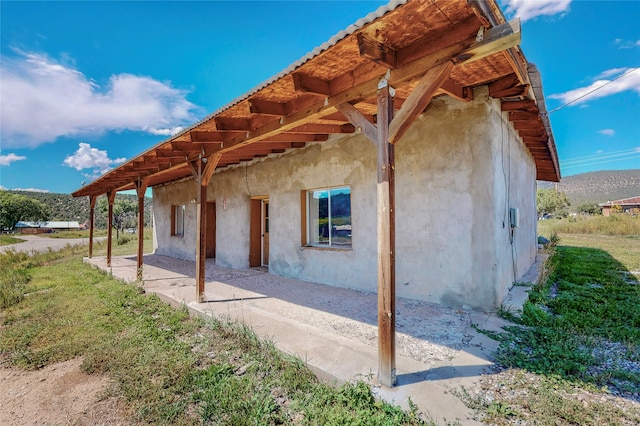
(333, 330)
(375, 78)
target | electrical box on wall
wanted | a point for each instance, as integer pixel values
(514, 217)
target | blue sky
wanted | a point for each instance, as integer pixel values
(86, 85)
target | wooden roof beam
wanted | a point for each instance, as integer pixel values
(536, 133)
(261, 106)
(508, 86)
(516, 116)
(359, 121)
(324, 128)
(418, 100)
(377, 51)
(170, 154)
(206, 136)
(232, 123)
(451, 88)
(429, 44)
(497, 39)
(309, 84)
(521, 106)
(298, 137)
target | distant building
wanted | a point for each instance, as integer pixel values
(628, 205)
(47, 227)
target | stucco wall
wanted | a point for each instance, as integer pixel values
(451, 198)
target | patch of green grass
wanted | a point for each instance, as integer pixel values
(616, 224)
(75, 234)
(577, 340)
(5, 240)
(170, 368)
(126, 244)
(586, 299)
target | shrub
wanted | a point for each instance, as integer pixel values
(123, 239)
(14, 277)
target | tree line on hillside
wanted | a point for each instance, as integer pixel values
(29, 206)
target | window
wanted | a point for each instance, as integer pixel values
(177, 220)
(327, 217)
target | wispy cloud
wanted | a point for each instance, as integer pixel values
(607, 132)
(601, 157)
(31, 189)
(625, 79)
(626, 44)
(7, 159)
(44, 99)
(87, 157)
(530, 9)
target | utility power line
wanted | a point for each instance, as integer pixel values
(591, 91)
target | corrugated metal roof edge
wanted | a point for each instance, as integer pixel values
(378, 13)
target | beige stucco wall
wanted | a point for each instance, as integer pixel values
(451, 199)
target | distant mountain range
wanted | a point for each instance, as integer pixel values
(598, 187)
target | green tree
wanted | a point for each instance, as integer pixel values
(549, 201)
(124, 213)
(14, 208)
(589, 209)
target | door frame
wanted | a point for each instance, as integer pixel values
(211, 230)
(256, 230)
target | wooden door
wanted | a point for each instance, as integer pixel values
(211, 229)
(255, 232)
(265, 232)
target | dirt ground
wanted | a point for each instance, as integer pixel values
(60, 394)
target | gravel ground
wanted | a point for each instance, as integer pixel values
(426, 332)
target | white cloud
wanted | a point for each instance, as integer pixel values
(603, 87)
(43, 100)
(607, 132)
(626, 44)
(87, 157)
(530, 9)
(31, 189)
(5, 160)
(165, 132)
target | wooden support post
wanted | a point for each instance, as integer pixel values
(111, 196)
(92, 208)
(201, 233)
(141, 188)
(386, 241)
(203, 171)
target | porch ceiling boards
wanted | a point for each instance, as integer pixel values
(303, 104)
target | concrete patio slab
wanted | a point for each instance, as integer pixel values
(334, 330)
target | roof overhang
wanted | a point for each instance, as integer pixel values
(400, 42)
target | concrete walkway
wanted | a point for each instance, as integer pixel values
(334, 330)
